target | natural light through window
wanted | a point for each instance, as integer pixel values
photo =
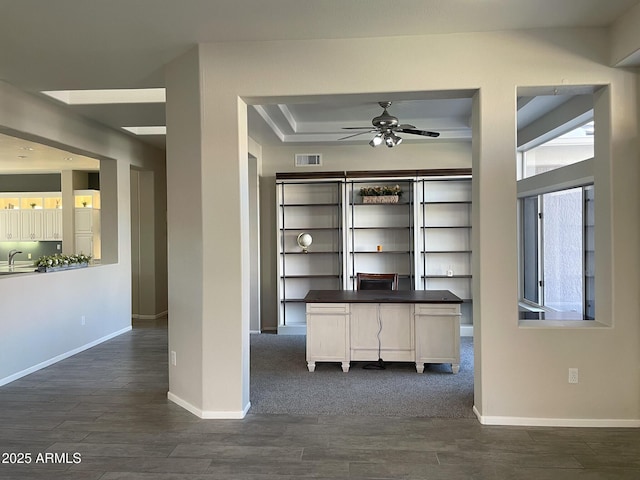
(556, 199)
(119, 95)
(572, 147)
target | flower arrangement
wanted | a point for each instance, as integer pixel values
(59, 260)
(381, 190)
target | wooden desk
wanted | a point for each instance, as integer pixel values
(405, 326)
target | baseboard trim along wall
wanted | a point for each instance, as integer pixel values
(62, 356)
(557, 422)
(466, 330)
(208, 414)
(137, 316)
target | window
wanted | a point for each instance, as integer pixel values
(555, 182)
(557, 247)
(572, 147)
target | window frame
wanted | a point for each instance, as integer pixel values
(576, 175)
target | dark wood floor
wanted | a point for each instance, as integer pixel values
(105, 414)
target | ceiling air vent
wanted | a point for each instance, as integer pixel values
(308, 159)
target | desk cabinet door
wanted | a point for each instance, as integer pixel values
(395, 324)
(327, 337)
(438, 335)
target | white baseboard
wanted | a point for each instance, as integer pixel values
(292, 330)
(556, 422)
(208, 414)
(466, 330)
(62, 356)
(137, 316)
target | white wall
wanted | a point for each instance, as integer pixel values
(41, 313)
(521, 373)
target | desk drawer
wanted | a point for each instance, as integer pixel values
(327, 308)
(437, 309)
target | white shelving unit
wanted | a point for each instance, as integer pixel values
(313, 207)
(425, 237)
(444, 215)
(380, 236)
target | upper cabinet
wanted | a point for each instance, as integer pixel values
(30, 216)
(87, 222)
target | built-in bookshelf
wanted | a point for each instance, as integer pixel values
(445, 235)
(425, 236)
(380, 236)
(316, 208)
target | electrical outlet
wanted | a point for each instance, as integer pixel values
(82, 320)
(573, 375)
(28, 256)
(174, 359)
(58, 247)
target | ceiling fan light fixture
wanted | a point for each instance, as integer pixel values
(385, 127)
(391, 139)
(377, 140)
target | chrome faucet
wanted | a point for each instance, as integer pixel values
(12, 254)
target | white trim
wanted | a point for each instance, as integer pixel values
(466, 330)
(557, 422)
(207, 414)
(62, 356)
(573, 175)
(269, 121)
(137, 316)
(292, 330)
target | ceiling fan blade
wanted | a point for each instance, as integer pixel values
(356, 128)
(356, 134)
(406, 125)
(413, 131)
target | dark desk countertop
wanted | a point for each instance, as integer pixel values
(381, 296)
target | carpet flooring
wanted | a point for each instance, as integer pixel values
(281, 384)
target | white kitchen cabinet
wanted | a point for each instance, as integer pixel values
(30, 216)
(87, 231)
(53, 224)
(10, 225)
(31, 224)
(84, 244)
(87, 222)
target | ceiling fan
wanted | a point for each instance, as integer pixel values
(385, 126)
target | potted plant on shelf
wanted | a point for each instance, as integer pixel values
(52, 263)
(381, 194)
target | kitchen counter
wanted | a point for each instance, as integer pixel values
(19, 267)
